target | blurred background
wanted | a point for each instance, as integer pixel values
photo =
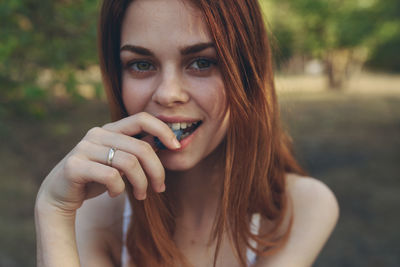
(338, 79)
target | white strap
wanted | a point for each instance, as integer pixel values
(254, 229)
(125, 224)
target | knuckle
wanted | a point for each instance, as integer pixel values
(83, 145)
(112, 174)
(143, 115)
(107, 125)
(131, 162)
(145, 148)
(70, 165)
(93, 132)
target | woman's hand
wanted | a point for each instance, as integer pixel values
(84, 172)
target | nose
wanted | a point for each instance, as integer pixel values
(170, 90)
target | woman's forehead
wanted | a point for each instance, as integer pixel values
(171, 21)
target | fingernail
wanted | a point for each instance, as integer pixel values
(162, 188)
(176, 143)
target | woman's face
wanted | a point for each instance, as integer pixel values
(170, 70)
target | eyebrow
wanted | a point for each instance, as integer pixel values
(137, 49)
(195, 48)
(191, 49)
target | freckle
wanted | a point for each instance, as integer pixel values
(192, 242)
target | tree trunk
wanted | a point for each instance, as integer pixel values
(336, 66)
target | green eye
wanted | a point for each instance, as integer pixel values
(202, 64)
(142, 66)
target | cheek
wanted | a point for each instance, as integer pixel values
(135, 95)
(212, 98)
(219, 112)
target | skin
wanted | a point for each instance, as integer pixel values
(168, 84)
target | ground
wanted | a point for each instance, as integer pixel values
(350, 140)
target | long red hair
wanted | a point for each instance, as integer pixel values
(256, 158)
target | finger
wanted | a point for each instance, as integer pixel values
(128, 164)
(150, 140)
(133, 172)
(142, 151)
(144, 122)
(82, 172)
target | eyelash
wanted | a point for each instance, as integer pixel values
(210, 62)
(131, 65)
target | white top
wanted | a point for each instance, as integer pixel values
(251, 256)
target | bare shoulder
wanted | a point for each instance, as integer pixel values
(312, 197)
(99, 230)
(315, 211)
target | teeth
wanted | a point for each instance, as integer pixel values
(176, 126)
(180, 125)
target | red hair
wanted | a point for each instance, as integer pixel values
(256, 158)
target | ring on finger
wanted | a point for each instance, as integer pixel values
(110, 156)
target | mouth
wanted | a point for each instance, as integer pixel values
(181, 131)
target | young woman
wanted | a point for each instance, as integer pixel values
(227, 193)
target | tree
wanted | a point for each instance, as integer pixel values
(336, 31)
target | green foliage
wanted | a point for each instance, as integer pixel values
(38, 36)
(386, 42)
(384, 57)
(316, 27)
(320, 25)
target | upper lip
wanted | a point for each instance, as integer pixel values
(175, 119)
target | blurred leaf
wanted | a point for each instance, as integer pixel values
(46, 35)
(33, 92)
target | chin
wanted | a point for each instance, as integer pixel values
(172, 164)
(188, 161)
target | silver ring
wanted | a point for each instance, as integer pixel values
(110, 156)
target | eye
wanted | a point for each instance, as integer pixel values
(201, 64)
(141, 66)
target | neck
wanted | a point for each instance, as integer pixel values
(197, 191)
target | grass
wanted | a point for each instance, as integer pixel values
(352, 143)
(350, 140)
